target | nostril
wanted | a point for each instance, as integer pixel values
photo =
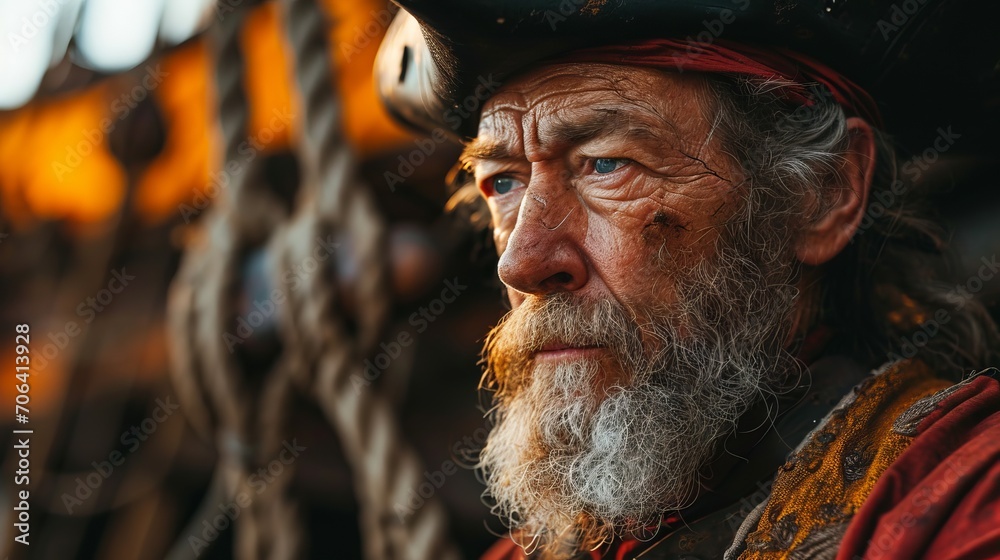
(561, 278)
(561, 281)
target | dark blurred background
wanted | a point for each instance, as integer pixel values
(82, 200)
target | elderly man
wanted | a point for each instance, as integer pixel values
(717, 346)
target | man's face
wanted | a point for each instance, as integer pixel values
(593, 172)
(648, 312)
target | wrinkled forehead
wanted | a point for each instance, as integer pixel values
(568, 92)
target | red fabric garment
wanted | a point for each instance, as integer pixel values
(503, 549)
(940, 500)
(737, 58)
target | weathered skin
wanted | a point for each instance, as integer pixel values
(565, 227)
(570, 228)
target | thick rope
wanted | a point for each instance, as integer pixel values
(325, 332)
(337, 202)
(248, 416)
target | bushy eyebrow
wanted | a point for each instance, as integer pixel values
(480, 149)
(562, 131)
(600, 122)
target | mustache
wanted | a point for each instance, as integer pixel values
(570, 465)
(556, 320)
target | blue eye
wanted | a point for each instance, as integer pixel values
(503, 185)
(607, 165)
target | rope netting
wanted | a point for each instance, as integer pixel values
(326, 325)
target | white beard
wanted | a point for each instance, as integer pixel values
(568, 468)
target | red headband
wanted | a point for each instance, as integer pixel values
(735, 58)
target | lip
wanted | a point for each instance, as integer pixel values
(568, 352)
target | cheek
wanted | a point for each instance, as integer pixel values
(639, 254)
(672, 241)
(625, 261)
(515, 298)
(500, 240)
(633, 231)
(504, 218)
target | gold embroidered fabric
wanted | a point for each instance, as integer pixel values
(824, 483)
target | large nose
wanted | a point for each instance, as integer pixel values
(544, 252)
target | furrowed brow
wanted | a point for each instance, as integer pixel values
(602, 122)
(484, 149)
(562, 131)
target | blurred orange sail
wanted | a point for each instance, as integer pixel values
(54, 159)
(54, 163)
(182, 168)
(185, 170)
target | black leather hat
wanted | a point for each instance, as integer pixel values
(926, 62)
